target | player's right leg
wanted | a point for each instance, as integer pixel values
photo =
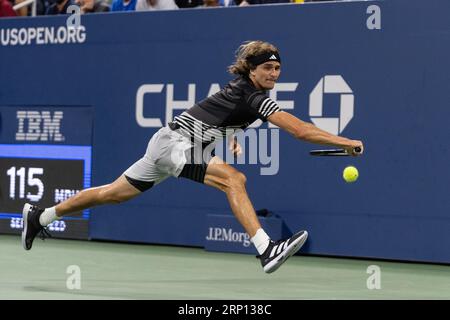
(36, 219)
(148, 171)
(119, 191)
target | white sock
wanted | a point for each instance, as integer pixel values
(261, 241)
(48, 216)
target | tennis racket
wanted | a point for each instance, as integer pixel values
(333, 152)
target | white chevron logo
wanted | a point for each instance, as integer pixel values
(331, 84)
(273, 57)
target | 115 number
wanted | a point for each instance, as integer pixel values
(32, 181)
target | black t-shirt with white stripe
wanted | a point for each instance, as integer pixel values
(236, 106)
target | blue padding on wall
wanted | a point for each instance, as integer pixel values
(397, 79)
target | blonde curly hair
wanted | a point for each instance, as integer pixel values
(248, 49)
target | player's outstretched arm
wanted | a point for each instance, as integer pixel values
(308, 132)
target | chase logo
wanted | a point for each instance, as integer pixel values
(326, 85)
(39, 126)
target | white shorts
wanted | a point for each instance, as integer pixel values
(165, 157)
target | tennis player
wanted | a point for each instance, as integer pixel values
(173, 151)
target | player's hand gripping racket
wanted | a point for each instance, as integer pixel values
(334, 152)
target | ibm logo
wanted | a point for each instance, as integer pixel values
(39, 126)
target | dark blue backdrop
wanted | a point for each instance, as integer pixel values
(398, 209)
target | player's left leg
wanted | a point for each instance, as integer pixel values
(272, 254)
(224, 177)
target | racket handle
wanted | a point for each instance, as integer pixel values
(357, 149)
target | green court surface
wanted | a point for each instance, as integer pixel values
(135, 271)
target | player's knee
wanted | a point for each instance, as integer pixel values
(237, 180)
(241, 178)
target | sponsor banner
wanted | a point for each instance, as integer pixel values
(46, 125)
(375, 71)
(225, 234)
(41, 36)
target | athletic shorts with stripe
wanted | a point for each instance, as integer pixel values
(168, 154)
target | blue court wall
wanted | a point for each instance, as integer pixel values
(397, 77)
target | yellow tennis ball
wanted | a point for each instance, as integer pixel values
(350, 174)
